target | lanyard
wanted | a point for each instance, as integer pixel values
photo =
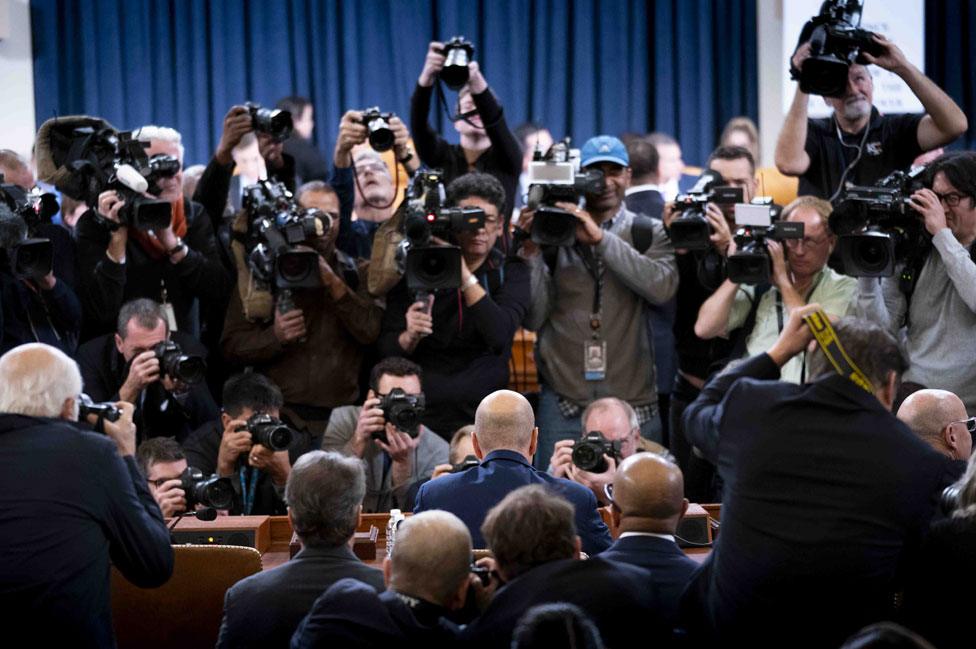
(248, 488)
(594, 266)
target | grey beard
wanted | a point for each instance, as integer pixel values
(857, 110)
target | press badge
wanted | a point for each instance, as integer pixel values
(595, 360)
(170, 316)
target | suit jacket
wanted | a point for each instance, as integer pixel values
(351, 615)
(620, 599)
(671, 569)
(69, 505)
(827, 494)
(470, 494)
(263, 610)
(648, 202)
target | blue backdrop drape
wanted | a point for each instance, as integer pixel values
(950, 55)
(582, 67)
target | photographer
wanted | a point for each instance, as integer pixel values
(938, 315)
(395, 459)
(177, 266)
(126, 366)
(463, 338)
(486, 143)
(162, 461)
(858, 144)
(618, 424)
(226, 446)
(799, 275)
(591, 304)
(822, 466)
(313, 351)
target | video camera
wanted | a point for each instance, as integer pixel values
(277, 225)
(107, 411)
(428, 266)
(210, 492)
(275, 122)
(690, 229)
(457, 54)
(836, 42)
(403, 411)
(28, 256)
(588, 452)
(876, 225)
(173, 363)
(377, 125)
(751, 263)
(556, 177)
(85, 156)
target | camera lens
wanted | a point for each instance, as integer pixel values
(190, 369)
(294, 267)
(872, 255)
(218, 494)
(380, 135)
(589, 457)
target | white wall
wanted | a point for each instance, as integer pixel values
(769, 19)
(16, 78)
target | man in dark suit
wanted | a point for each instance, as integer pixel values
(536, 553)
(324, 494)
(504, 440)
(827, 494)
(644, 196)
(648, 502)
(427, 577)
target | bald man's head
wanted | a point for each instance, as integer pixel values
(431, 558)
(504, 420)
(648, 494)
(39, 381)
(930, 414)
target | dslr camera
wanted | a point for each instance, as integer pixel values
(876, 226)
(429, 266)
(836, 42)
(210, 492)
(277, 225)
(555, 177)
(377, 125)
(85, 156)
(403, 411)
(588, 452)
(269, 432)
(751, 263)
(106, 410)
(27, 255)
(689, 228)
(275, 122)
(457, 54)
(173, 363)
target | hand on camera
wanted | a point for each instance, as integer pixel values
(927, 203)
(170, 498)
(893, 59)
(271, 150)
(398, 445)
(802, 54)
(371, 420)
(528, 247)
(476, 81)
(594, 481)
(237, 123)
(587, 231)
(795, 337)
(401, 137)
(274, 463)
(289, 327)
(123, 431)
(352, 132)
(780, 273)
(433, 64)
(721, 235)
(419, 321)
(143, 370)
(235, 441)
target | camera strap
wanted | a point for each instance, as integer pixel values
(828, 341)
(594, 266)
(248, 487)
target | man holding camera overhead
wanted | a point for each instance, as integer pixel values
(589, 305)
(486, 142)
(397, 450)
(158, 370)
(859, 144)
(309, 340)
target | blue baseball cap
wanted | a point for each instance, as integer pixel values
(604, 148)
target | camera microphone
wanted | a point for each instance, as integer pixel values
(205, 514)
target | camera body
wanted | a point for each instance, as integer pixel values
(106, 410)
(269, 432)
(751, 263)
(28, 256)
(377, 125)
(836, 42)
(465, 464)
(277, 226)
(876, 226)
(161, 166)
(457, 54)
(589, 450)
(403, 411)
(429, 267)
(690, 229)
(207, 491)
(175, 364)
(275, 122)
(555, 177)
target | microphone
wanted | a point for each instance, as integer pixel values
(205, 514)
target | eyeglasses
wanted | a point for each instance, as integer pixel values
(952, 198)
(808, 242)
(970, 424)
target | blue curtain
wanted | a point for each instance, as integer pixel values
(950, 56)
(581, 67)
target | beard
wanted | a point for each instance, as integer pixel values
(856, 110)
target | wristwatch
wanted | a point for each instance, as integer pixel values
(407, 158)
(468, 283)
(175, 249)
